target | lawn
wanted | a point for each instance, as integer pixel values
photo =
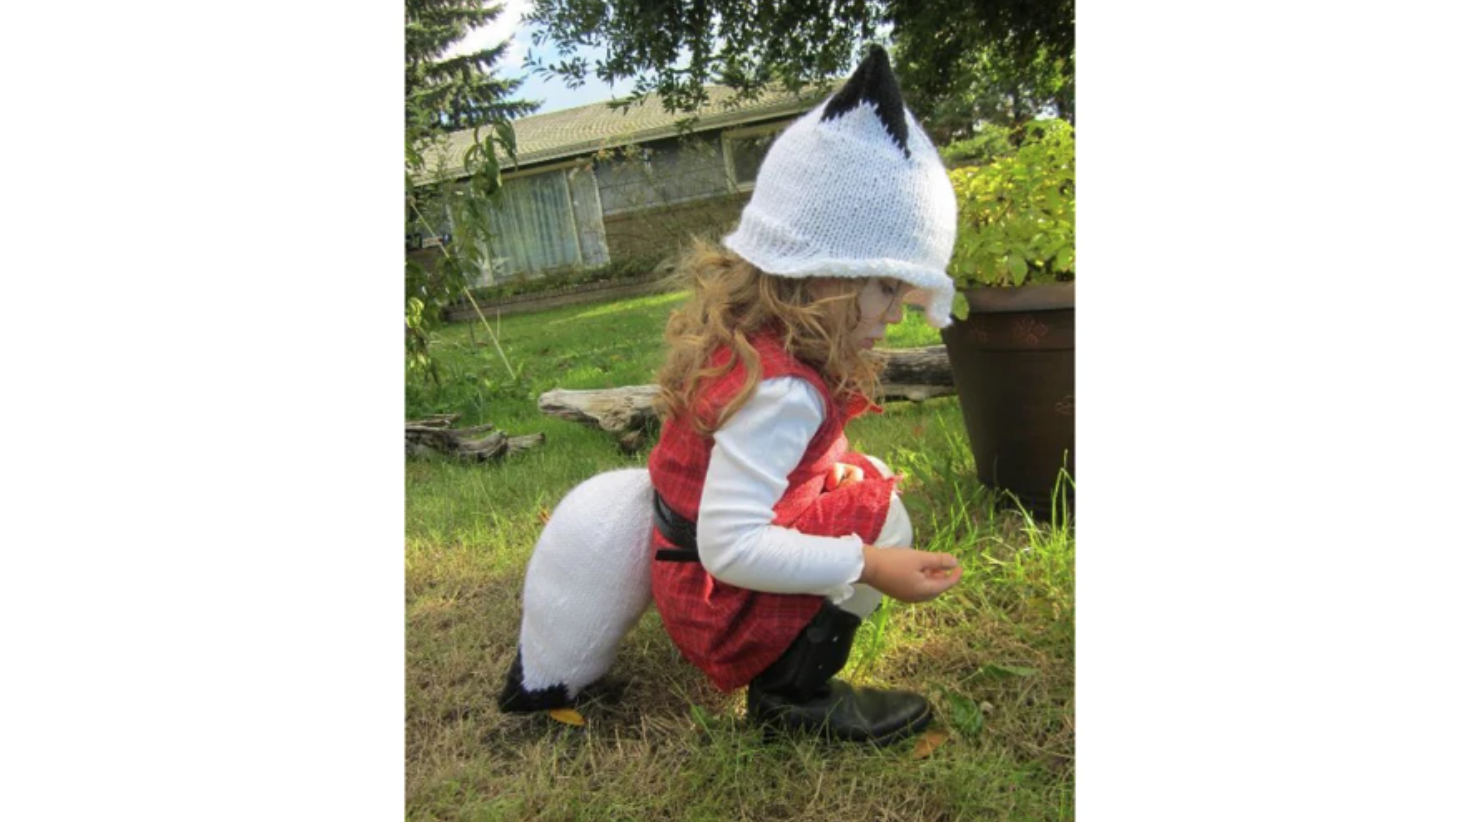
(995, 654)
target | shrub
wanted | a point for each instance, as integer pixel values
(523, 284)
(1016, 216)
(990, 143)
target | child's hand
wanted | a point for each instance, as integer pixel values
(843, 474)
(909, 575)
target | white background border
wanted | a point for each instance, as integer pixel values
(204, 507)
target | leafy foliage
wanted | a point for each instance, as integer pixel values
(991, 141)
(614, 271)
(674, 47)
(1016, 216)
(451, 93)
(991, 62)
(740, 43)
(444, 94)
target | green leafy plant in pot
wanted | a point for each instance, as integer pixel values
(1012, 345)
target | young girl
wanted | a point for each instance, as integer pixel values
(766, 551)
(767, 527)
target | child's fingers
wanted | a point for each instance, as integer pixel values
(931, 585)
(939, 561)
(939, 572)
(843, 474)
(943, 573)
(939, 580)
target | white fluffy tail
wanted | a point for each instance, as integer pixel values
(587, 584)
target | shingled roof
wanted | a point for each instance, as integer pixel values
(586, 129)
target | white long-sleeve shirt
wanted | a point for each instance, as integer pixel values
(754, 452)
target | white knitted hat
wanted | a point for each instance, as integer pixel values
(855, 189)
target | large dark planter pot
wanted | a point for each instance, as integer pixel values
(1014, 362)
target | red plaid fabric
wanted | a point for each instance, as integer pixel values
(730, 633)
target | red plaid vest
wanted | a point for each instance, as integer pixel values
(730, 633)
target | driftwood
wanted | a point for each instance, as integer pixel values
(910, 373)
(917, 374)
(615, 410)
(435, 434)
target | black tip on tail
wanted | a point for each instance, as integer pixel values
(516, 699)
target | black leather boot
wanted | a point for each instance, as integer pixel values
(798, 692)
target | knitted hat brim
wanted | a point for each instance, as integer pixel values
(936, 285)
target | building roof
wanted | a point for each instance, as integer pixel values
(586, 129)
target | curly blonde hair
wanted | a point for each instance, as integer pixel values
(731, 301)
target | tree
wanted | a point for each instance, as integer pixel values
(444, 94)
(986, 91)
(674, 47)
(999, 63)
(454, 93)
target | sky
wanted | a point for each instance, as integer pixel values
(553, 93)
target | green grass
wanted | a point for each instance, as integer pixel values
(994, 655)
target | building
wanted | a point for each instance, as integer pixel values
(594, 183)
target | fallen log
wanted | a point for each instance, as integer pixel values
(915, 393)
(434, 434)
(910, 373)
(925, 372)
(616, 410)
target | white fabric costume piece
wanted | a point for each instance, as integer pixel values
(751, 458)
(895, 533)
(855, 189)
(588, 580)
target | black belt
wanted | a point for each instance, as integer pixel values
(678, 531)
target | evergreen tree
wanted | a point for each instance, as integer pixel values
(445, 94)
(453, 93)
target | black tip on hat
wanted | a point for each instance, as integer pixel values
(874, 82)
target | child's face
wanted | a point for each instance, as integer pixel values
(880, 306)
